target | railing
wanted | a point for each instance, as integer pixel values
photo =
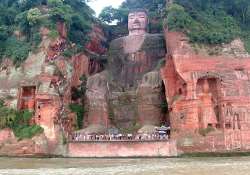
(77, 137)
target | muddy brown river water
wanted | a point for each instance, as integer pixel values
(171, 166)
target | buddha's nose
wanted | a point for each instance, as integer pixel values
(136, 20)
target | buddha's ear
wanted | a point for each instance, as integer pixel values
(148, 23)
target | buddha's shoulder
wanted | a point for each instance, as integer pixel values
(155, 37)
(154, 41)
(148, 39)
(118, 42)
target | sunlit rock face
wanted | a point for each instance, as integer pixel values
(208, 96)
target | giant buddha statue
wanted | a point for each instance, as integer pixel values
(135, 84)
(129, 97)
(132, 56)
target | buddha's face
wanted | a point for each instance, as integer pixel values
(137, 23)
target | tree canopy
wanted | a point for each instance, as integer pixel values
(211, 21)
(28, 16)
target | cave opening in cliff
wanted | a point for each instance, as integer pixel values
(27, 98)
(164, 107)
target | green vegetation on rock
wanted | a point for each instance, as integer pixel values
(77, 96)
(21, 21)
(209, 21)
(78, 109)
(18, 121)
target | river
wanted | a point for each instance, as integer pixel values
(171, 166)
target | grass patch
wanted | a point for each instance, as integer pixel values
(79, 111)
(18, 121)
(23, 132)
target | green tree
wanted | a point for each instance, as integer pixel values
(108, 14)
(54, 3)
(34, 16)
(178, 19)
(203, 21)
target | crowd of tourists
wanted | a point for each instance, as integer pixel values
(119, 137)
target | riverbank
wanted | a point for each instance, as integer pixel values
(215, 154)
(184, 155)
(173, 166)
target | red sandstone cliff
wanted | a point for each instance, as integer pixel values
(206, 92)
(43, 84)
(202, 91)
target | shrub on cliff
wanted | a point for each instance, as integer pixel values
(78, 109)
(208, 27)
(26, 17)
(16, 49)
(78, 94)
(211, 22)
(76, 14)
(18, 121)
(178, 19)
(23, 132)
(21, 125)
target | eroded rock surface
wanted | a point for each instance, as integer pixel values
(10, 146)
(43, 84)
(208, 97)
(97, 118)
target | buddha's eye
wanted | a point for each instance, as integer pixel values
(131, 17)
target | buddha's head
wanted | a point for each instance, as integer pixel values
(137, 22)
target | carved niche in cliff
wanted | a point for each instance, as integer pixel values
(207, 93)
(27, 98)
(235, 117)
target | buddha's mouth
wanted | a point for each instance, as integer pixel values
(136, 25)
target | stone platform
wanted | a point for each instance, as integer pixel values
(101, 149)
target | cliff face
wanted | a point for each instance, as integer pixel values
(204, 98)
(43, 84)
(206, 92)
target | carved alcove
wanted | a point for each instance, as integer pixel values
(234, 117)
(207, 90)
(27, 98)
(165, 119)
